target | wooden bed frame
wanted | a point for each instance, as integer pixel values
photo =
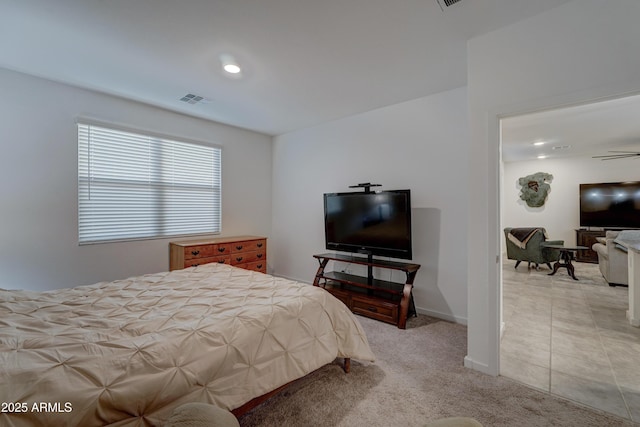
(260, 399)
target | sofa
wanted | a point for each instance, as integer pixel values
(532, 248)
(613, 259)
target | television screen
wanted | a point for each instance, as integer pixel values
(614, 205)
(375, 223)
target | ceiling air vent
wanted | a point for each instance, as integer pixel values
(192, 99)
(447, 3)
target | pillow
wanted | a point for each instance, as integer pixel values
(627, 237)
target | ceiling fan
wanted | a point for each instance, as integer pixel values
(619, 155)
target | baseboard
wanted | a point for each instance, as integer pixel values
(476, 366)
(444, 316)
(633, 322)
(307, 282)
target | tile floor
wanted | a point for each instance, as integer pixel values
(571, 338)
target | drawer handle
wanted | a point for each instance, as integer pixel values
(221, 261)
(194, 253)
(259, 245)
(239, 258)
(239, 247)
(259, 256)
(259, 266)
(194, 265)
(373, 309)
(221, 249)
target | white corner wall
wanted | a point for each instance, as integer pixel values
(421, 145)
(38, 183)
(578, 52)
(560, 215)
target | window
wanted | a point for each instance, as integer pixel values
(133, 186)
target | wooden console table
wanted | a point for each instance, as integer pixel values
(587, 238)
(383, 300)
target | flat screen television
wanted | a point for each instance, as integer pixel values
(610, 205)
(372, 223)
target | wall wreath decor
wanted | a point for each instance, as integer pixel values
(535, 188)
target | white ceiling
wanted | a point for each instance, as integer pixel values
(593, 129)
(304, 62)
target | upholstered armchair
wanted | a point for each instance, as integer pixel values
(612, 259)
(529, 245)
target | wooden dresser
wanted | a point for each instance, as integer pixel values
(249, 252)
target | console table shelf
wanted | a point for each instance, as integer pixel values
(381, 288)
(383, 300)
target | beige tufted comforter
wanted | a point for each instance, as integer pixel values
(128, 352)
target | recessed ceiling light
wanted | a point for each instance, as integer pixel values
(539, 143)
(542, 157)
(231, 68)
(230, 65)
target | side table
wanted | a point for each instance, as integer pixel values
(567, 254)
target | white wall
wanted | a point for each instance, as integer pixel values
(38, 183)
(421, 145)
(560, 215)
(578, 52)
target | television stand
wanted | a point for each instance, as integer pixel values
(383, 300)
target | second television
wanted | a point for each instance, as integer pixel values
(371, 223)
(610, 205)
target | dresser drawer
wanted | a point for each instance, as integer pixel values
(223, 249)
(249, 245)
(260, 266)
(245, 257)
(224, 259)
(375, 308)
(206, 251)
(201, 251)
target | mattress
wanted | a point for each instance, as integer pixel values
(128, 352)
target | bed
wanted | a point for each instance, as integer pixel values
(126, 353)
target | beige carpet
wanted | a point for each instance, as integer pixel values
(418, 377)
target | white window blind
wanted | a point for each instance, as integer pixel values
(133, 186)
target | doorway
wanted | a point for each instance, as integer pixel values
(566, 337)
